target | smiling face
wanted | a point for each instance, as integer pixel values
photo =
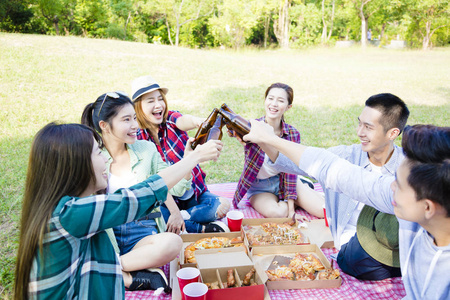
(123, 127)
(154, 106)
(371, 133)
(276, 103)
(405, 204)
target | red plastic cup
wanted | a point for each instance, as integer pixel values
(186, 276)
(325, 216)
(195, 291)
(234, 219)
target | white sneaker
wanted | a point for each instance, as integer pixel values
(185, 215)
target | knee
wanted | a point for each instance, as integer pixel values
(171, 242)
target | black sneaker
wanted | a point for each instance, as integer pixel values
(216, 226)
(149, 280)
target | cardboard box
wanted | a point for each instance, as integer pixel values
(258, 222)
(193, 237)
(214, 265)
(263, 256)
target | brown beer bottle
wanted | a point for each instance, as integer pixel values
(234, 122)
(215, 133)
(202, 132)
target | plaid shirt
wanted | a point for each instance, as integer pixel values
(172, 142)
(254, 158)
(77, 260)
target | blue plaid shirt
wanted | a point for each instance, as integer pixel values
(77, 260)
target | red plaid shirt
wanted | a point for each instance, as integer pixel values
(254, 158)
(172, 142)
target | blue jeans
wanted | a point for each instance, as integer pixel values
(355, 261)
(129, 234)
(202, 211)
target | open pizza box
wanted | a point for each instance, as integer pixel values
(254, 226)
(193, 237)
(214, 265)
(265, 258)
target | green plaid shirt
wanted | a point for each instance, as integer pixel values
(77, 260)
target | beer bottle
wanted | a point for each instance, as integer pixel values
(215, 133)
(234, 121)
(202, 132)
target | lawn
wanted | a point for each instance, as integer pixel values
(45, 78)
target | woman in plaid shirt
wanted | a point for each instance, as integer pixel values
(167, 129)
(64, 251)
(266, 187)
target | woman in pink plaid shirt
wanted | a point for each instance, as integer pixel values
(272, 193)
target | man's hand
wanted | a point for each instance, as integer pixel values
(260, 132)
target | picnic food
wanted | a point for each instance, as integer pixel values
(209, 243)
(271, 233)
(301, 267)
(248, 277)
(213, 285)
(230, 278)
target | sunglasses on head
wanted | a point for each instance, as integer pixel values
(114, 95)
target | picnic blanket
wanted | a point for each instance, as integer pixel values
(351, 287)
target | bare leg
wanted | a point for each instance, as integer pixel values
(268, 205)
(309, 199)
(152, 251)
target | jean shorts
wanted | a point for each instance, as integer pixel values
(128, 235)
(268, 185)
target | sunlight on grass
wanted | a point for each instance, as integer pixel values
(46, 78)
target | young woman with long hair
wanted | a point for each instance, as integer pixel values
(167, 130)
(64, 251)
(272, 193)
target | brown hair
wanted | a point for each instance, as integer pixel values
(288, 89)
(60, 164)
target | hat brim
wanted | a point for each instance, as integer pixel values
(369, 242)
(147, 90)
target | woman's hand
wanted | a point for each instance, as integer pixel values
(208, 151)
(175, 223)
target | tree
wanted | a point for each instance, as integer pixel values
(429, 16)
(306, 24)
(234, 22)
(364, 11)
(281, 24)
(180, 12)
(326, 18)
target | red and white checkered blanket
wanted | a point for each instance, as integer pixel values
(351, 288)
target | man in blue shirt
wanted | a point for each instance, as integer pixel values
(379, 124)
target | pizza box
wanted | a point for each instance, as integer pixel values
(258, 222)
(193, 237)
(263, 258)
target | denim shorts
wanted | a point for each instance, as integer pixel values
(268, 185)
(129, 234)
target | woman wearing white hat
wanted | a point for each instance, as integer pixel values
(167, 129)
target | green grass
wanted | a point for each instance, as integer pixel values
(45, 78)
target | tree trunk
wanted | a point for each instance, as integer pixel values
(56, 24)
(281, 27)
(168, 32)
(324, 27)
(332, 21)
(383, 28)
(266, 30)
(426, 37)
(364, 26)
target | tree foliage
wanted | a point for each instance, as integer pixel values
(235, 23)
